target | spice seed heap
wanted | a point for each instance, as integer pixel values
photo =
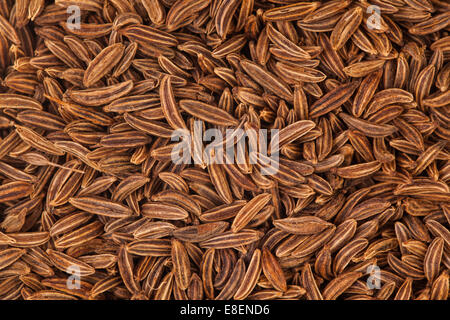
(92, 206)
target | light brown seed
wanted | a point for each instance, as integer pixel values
(249, 211)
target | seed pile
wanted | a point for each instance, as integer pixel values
(93, 207)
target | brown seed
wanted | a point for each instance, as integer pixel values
(125, 264)
(404, 269)
(15, 190)
(102, 63)
(309, 282)
(169, 106)
(267, 80)
(207, 272)
(208, 113)
(80, 236)
(358, 170)
(37, 141)
(345, 255)
(304, 225)
(9, 256)
(339, 284)
(284, 43)
(251, 276)
(359, 176)
(151, 247)
(293, 132)
(100, 96)
(290, 12)
(346, 26)
(101, 206)
(232, 240)
(432, 259)
(368, 128)
(405, 290)
(249, 211)
(333, 99)
(182, 268)
(439, 289)
(361, 69)
(273, 271)
(164, 211)
(69, 264)
(233, 282)
(201, 232)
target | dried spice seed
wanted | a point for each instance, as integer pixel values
(331, 127)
